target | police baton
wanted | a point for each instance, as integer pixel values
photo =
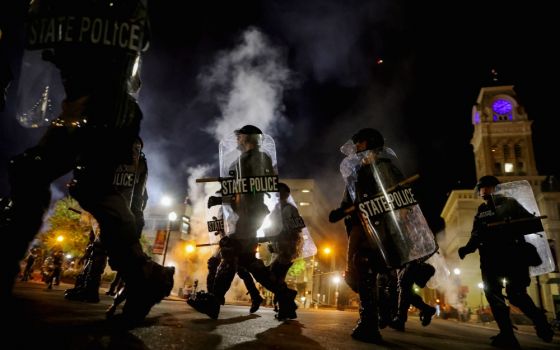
(404, 182)
(213, 179)
(74, 210)
(515, 221)
(206, 244)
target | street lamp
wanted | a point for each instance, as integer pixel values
(166, 201)
(336, 281)
(189, 248)
(328, 251)
(170, 217)
(481, 287)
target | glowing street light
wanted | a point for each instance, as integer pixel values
(327, 250)
(336, 281)
(189, 248)
(60, 238)
(166, 201)
(457, 271)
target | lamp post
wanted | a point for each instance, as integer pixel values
(336, 281)
(170, 217)
(481, 287)
(328, 251)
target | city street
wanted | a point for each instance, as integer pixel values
(45, 319)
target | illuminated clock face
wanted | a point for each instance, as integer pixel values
(501, 106)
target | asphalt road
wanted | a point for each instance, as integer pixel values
(44, 319)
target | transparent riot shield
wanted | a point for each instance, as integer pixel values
(249, 182)
(39, 93)
(523, 193)
(215, 223)
(388, 210)
(307, 247)
(295, 240)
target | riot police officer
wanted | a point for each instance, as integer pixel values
(502, 257)
(364, 260)
(287, 245)
(100, 120)
(247, 212)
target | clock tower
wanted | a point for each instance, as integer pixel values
(502, 139)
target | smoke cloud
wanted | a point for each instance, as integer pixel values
(247, 83)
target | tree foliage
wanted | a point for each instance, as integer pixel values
(71, 225)
(297, 268)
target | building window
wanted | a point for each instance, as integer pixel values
(506, 151)
(517, 150)
(498, 168)
(508, 168)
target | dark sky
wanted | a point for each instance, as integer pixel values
(321, 60)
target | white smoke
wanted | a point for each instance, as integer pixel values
(248, 83)
(444, 280)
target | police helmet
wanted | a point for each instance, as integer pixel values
(372, 136)
(487, 181)
(248, 130)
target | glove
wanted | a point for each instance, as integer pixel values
(336, 215)
(213, 200)
(462, 252)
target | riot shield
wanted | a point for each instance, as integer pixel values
(215, 223)
(523, 193)
(295, 240)
(249, 180)
(388, 210)
(308, 247)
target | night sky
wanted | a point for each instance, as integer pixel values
(315, 77)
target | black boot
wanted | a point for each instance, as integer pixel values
(367, 329)
(256, 299)
(146, 291)
(286, 304)
(426, 315)
(205, 303)
(505, 341)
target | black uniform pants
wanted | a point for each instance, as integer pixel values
(516, 290)
(97, 151)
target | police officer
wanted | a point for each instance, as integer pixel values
(239, 248)
(287, 245)
(364, 260)
(130, 180)
(100, 120)
(29, 262)
(87, 285)
(501, 257)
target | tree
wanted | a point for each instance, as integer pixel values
(68, 227)
(297, 267)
